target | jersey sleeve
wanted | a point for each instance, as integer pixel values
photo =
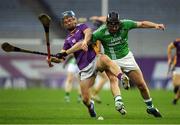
(129, 24)
(96, 35)
(83, 26)
(66, 45)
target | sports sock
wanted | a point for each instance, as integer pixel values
(119, 76)
(67, 94)
(79, 96)
(149, 103)
(175, 101)
(88, 105)
(176, 89)
(118, 98)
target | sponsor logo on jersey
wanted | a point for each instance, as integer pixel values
(115, 41)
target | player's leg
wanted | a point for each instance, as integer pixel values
(130, 66)
(79, 99)
(102, 80)
(119, 105)
(136, 77)
(106, 63)
(87, 79)
(86, 85)
(176, 83)
(75, 71)
(71, 71)
(68, 86)
(177, 96)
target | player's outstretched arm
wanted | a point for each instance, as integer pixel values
(98, 18)
(148, 24)
(74, 48)
(64, 53)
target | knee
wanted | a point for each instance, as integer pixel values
(104, 58)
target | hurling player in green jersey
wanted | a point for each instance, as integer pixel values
(114, 38)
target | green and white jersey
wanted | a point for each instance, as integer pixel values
(115, 45)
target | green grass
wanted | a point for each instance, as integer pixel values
(43, 106)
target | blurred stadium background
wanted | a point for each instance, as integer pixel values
(20, 26)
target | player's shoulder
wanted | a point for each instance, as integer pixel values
(101, 29)
(127, 23)
(124, 21)
(82, 26)
(79, 25)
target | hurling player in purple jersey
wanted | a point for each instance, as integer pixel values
(95, 22)
(175, 62)
(89, 62)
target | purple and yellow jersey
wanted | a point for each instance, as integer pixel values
(83, 58)
(97, 47)
(177, 45)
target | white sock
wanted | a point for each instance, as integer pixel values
(118, 98)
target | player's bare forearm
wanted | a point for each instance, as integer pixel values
(148, 24)
(88, 35)
(87, 38)
(98, 18)
(74, 48)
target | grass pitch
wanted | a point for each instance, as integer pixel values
(44, 106)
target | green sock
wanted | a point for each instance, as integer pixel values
(67, 93)
(149, 103)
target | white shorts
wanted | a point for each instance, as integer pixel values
(176, 71)
(127, 63)
(89, 70)
(73, 68)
